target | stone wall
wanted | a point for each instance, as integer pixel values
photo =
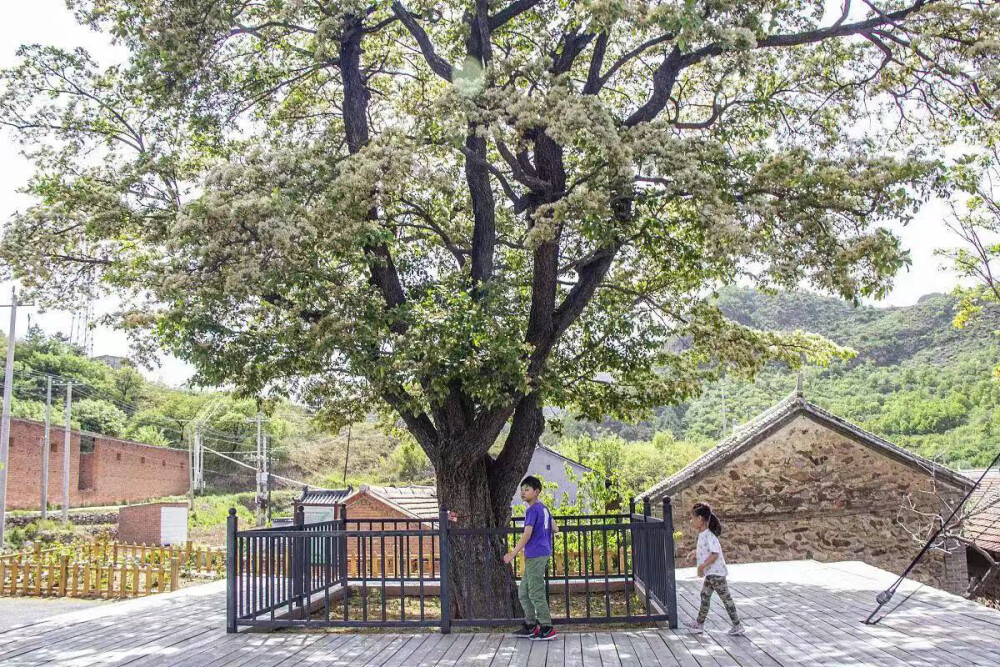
(809, 492)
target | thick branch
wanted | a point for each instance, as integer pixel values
(439, 65)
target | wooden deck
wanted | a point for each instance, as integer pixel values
(796, 613)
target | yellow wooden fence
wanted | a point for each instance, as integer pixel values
(87, 579)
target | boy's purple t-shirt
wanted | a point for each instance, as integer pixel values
(540, 543)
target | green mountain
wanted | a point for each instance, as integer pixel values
(916, 380)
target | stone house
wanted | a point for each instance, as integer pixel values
(798, 482)
(102, 470)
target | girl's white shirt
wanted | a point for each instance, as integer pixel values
(709, 544)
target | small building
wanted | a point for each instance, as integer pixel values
(798, 482)
(319, 505)
(161, 524)
(114, 361)
(393, 503)
(557, 471)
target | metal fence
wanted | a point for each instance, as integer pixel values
(609, 568)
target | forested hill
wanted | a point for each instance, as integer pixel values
(916, 380)
(882, 336)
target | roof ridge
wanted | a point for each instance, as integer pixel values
(783, 408)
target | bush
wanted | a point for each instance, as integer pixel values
(99, 417)
(409, 463)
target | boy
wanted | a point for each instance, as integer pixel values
(537, 545)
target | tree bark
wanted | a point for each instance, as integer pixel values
(482, 586)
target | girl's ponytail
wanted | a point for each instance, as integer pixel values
(704, 510)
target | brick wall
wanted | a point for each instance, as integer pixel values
(810, 492)
(366, 506)
(116, 471)
(140, 524)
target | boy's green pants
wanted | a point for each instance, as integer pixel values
(532, 592)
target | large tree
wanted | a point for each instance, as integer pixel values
(466, 211)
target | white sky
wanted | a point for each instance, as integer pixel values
(49, 22)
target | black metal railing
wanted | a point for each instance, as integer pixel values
(354, 572)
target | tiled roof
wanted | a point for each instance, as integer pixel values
(563, 457)
(982, 521)
(419, 502)
(324, 497)
(760, 427)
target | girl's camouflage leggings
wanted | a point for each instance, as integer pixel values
(717, 584)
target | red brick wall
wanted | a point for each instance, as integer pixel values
(140, 524)
(119, 470)
(365, 506)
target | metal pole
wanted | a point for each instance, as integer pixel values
(445, 572)
(67, 441)
(201, 458)
(192, 475)
(8, 384)
(668, 538)
(260, 468)
(347, 456)
(231, 584)
(46, 444)
(267, 461)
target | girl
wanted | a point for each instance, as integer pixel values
(712, 566)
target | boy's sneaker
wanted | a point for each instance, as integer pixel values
(545, 633)
(526, 631)
(736, 630)
(694, 627)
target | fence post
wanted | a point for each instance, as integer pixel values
(298, 559)
(343, 549)
(174, 574)
(231, 583)
(668, 540)
(631, 506)
(63, 574)
(444, 573)
(646, 507)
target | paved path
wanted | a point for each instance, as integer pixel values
(798, 613)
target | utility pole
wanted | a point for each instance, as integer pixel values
(347, 455)
(267, 480)
(261, 478)
(191, 474)
(67, 441)
(8, 385)
(199, 452)
(46, 444)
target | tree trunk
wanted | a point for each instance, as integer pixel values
(482, 586)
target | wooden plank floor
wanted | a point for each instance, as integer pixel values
(797, 613)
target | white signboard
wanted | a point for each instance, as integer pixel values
(173, 525)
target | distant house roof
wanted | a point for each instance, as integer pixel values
(323, 497)
(113, 360)
(982, 523)
(564, 458)
(419, 502)
(776, 417)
